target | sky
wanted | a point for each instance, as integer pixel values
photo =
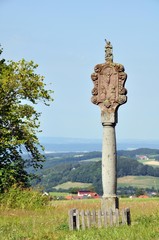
(66, 39)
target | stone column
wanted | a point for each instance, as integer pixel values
(109, 164)
(109, 93)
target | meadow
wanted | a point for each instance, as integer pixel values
(139, 182)
(68, 185)
(50, 222)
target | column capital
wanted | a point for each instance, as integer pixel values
(109, 118)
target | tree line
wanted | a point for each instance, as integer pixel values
(90, 172)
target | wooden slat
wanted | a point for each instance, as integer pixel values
(83, 220)
(72, 219)
(117, 217)
(93, 217)
(124, 220)
(105, 218)
(128, 216)
(77, 220)
(111, 217)
(99, 218)
(88, 218)
(70, 213)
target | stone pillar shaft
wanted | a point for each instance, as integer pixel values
(109, 162)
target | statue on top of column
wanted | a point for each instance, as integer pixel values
(108, 51)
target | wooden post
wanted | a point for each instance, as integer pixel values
(88, 218)
(128, 216)
(93, 217)
(99, 218)
(83, 220)
(105, 219)
(123, 216)
(77, 219)
(72, 219)
(111, 217)
(117, 217)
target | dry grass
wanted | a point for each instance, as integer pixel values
(51, 222)
(152, 163)
(68, 185)
(139, 181)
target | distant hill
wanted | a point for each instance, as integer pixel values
(60, 144)
(85, 167)
(141, 151)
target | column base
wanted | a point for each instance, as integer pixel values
(111, 202)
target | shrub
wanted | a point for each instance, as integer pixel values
(23, 199)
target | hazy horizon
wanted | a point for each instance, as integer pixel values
(59, 144)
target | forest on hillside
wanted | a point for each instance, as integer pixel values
(86, 167)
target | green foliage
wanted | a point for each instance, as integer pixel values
(23, 199)
(139, 192)
(127, 166)
(20, 89)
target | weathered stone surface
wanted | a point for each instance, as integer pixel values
(109, 171)
(109, 93)
(110, 202)
(109, 80)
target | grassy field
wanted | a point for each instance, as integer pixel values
(92, 160)
(68, 185)
(152, 162)
(59, 194)
(139, 181)
(51, 222)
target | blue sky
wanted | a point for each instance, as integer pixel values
(66, 39)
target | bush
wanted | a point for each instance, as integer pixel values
(23, 199)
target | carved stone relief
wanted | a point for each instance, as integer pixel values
(109, 80)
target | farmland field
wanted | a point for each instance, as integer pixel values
(51, 222)
(68, 185)
(139, 182)
(150, 162)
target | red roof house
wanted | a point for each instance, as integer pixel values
(87, 194)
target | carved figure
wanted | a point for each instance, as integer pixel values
(108, 51)
(109, 80)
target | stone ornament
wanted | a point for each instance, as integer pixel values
(109, 80)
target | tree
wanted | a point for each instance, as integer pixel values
(21, 88)
(139, 191)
